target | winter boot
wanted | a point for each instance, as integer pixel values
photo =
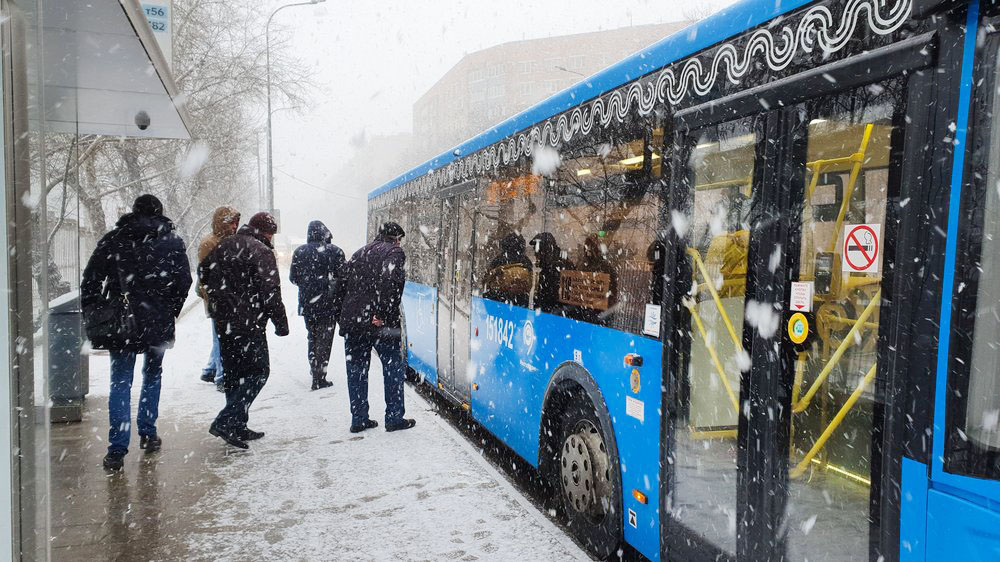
(207, 376)
(151, 443)
(247, 434)
(228, 436)
(114, 461)
(320, 383)
(400, 425)
(367, 424)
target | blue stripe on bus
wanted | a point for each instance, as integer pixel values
(721, 26)
(989, 489)
(420, 312)
(514, 353)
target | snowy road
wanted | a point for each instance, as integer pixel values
(310, 490)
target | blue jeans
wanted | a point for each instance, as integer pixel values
(215, 358)
(358, 348)
(120, 401)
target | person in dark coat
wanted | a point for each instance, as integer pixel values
(240, 280)
(225, 222)
(136, 280)
(371, 319)
(595, 261)
(316, 269)
(551, 264)
(508, 277)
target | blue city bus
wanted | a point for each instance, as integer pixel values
(732, 295)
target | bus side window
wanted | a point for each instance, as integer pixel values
(602, 212)
(511, 206)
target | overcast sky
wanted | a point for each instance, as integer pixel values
(372, 60)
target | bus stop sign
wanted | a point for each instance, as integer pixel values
(862, 245)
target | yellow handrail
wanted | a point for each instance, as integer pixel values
(715, 296)
(858, 159)
(841, 349)
(715, 357)
(736, 182)
(834, 423)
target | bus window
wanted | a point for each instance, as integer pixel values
(421, 240)
(601, 218)
(973, 438)
(511, 206)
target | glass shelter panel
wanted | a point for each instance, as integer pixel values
(720, 170)
(841, 261)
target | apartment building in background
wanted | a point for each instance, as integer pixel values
(488, 86)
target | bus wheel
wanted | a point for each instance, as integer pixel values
(590, 492)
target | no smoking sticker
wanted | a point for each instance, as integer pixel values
(862, 246)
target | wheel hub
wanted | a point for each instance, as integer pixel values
(584, 471)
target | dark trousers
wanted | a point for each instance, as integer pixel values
(246, 367)
(358, 349)
(321, 332)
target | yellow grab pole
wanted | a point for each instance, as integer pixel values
(841, 349)
(715, 358)
(715, 296)
(858, 158)
(816, 167)
(800, 367)
(834, 423)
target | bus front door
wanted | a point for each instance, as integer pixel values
(773, 434)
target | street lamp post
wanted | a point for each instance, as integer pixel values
(267, 55)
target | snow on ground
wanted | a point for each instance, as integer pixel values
(311, 490)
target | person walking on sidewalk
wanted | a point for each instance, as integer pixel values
(225, 221)
(316, 271)
(244, 291)
(132, 292)
(370, 319)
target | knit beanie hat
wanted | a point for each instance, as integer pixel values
(264, 222)
(391, 229)
(147, 206)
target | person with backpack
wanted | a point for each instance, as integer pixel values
(132, 292)
(241, 282)
(315, 270)
(371, 319)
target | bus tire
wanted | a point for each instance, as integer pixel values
(589, 493)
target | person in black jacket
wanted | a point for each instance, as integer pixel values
(551, 264)
(370, 319)
(508, 277)
(132, 292)
(240, 279)
(316, 269)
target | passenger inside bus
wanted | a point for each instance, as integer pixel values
(551, 263)
(591, 289)
(509, 276)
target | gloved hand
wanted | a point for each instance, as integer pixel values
(281, 331)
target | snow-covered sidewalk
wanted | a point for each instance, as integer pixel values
(310, 490)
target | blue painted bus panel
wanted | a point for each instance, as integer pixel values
(960, 530)
(913, 512)
(420, 312)
(514, 354)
